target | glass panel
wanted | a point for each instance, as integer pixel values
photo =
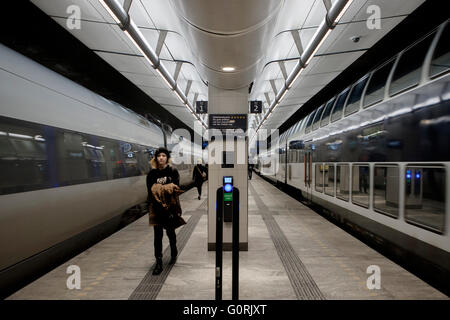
(337, 111)
(441, 56)
(386, 189)
(425, 196)
(319, 176)
(327, 112)
(316, 122)
(302, 127)
(355, 97)
(329, 179)
(310, 120)
(408, 70)
(375, 88)
(342, 181)
(361, 185)
(72, 167)
(27, 150)
(297, 126)
(24, 165)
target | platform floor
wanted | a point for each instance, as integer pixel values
(294, 253)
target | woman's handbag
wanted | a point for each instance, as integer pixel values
(203, 174)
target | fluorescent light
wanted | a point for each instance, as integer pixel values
(139, 48)
(228, 69)
(165, 80)
(296, 77)
(281, 98)
(349, 2)
(23, 136)
(179, 97)
(110, 11)
(318, 46)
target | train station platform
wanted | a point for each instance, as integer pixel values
(293, 254)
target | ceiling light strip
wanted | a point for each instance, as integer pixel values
(335, 14)
(118, 13)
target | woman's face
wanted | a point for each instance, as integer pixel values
(162, 159)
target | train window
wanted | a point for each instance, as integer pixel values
(316, 122)
(320, 168)
(355, 96)
(407, 73)
(343, 181)
(326, 113)
(303, 125)
(26, 149)
(440, 62)
(329, 179)
(23, 158)
(425, 189)
(337, 110)
(361, 185)
(310, 120)
(93, 153)
(297, 126)
(131, 162)
(386, 189)
(375, 89)
(72, 163)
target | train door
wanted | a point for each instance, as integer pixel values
(308, 174)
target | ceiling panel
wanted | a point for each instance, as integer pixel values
(125, 63)
(155, 15)
(59, 9)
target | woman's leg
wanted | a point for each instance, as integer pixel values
(173, 242)
(199, 189)
(158, 230)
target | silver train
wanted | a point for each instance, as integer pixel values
(377, 155)
(70, 160)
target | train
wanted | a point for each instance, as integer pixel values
(376, 154)
(71, 163)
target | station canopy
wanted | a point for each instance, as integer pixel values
(195, 40)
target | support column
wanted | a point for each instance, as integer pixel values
(222, 101)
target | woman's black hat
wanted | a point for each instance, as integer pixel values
(162, 150)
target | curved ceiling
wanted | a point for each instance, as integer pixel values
(262, 39)
(228, 34)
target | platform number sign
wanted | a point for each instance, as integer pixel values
(255, 106)
(201, 107)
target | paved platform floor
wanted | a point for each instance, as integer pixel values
(293, 253)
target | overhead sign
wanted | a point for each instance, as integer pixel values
(201, 107)
(228, 121)
(255, 106)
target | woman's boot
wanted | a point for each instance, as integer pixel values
(158, 268)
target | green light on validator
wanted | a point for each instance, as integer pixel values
(227, 197)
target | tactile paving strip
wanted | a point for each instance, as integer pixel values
(151, 285)
(302, 282)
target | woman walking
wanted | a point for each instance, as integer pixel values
(199, 176)
(164, 212)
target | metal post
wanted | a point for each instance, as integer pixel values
(235, 247)
(219, 242)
